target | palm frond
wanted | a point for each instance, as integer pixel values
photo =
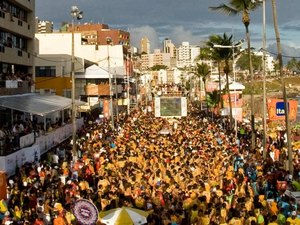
(224, 9)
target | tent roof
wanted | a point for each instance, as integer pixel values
(234, 86)
(36, 104)
(95, 71)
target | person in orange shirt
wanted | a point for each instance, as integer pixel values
(60, 220)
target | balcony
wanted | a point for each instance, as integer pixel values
(13, 87)
(13, 55)
(14, 24)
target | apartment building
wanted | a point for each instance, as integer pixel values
(154, 59)
(43, 26)
(186, 54)
(97, 34)
(17, 27)
(145, 45)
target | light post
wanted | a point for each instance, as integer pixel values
(264, 81)
(128, 82)
(233, 46)
(109, 43)
(76, 14)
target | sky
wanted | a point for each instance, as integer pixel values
(178, 20)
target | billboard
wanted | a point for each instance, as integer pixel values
(276, 109)
(170, 106)
(236, 100)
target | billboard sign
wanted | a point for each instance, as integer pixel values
(276, 109)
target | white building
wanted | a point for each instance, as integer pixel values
(270, 65)
(186, 54)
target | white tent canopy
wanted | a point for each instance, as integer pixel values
(36, 104)
(96, 72)
(234, 86)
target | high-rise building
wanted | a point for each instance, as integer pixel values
(17, 28)
(154, 59)
(186, 54)
(43, 26)
(169, 47)
(145, 45)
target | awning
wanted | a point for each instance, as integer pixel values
(36, 104)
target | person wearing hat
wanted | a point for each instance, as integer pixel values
(293, 219)
(60, 217)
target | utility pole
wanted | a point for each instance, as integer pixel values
(109, 43)
(76, 14)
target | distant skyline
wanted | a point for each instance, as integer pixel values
(179, 20)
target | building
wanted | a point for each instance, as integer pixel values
(17, 27)
(270, 62)
(154, 59)
(93, 67)
(169, 47)
(145, 45)
(186, 54)
(18, 103)
(97, 34)
(43, 26)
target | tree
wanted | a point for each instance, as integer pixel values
(243, 7)
(292, 65)
(287, 122)
(213, 99)
(223, 55)
(243, 62)
(202, 72)
(158, 67)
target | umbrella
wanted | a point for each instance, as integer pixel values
(123, 216)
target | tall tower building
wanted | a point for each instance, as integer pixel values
(169, 47)
(145, 45)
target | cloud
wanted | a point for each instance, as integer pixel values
(180, 34)
(137, 33)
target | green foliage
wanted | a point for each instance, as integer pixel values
(293, 65)
(158, 67)
(243, 62)
(213, 99)
(202, 71)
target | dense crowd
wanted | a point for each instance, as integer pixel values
(198, 173)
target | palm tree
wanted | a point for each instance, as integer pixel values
(287, 123)
(202, 72)
(225, 55)
(213, 99)
(243, 7)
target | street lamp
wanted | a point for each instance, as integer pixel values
(109, 42)
(264, 82)
(76, 14)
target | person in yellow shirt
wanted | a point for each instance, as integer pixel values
(273, 220)
(293, 219)
(205, 219)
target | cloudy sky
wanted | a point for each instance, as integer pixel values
(178, 20)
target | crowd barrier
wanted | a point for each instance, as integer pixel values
(42, 144)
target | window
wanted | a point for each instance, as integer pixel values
(45, 71)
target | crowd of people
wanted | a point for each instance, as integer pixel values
(199, 173)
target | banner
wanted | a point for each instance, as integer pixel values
(236, 101)
(276, 109)
(85, 212)
(106, 111)
(3, 184)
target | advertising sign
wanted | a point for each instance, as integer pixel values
(276, 109)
